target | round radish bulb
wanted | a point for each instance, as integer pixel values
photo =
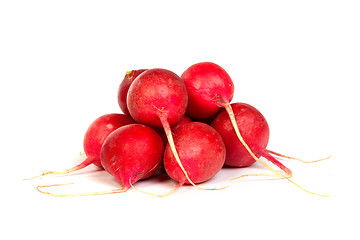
(155, 94)
(255, 131)
(131, 153)
(130, 76)
(201, 150)
(207, 84)
(253, 127)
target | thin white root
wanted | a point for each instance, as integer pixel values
(298, 159)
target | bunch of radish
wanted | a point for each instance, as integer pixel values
(185, 124)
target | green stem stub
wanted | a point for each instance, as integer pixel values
(218, 101)
(130, 74)
(161, 110)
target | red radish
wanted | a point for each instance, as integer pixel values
(201, 150)
(124, 87)
(158, 98)
(253, 127)
(94, 138)
(129, 153)
(157, 95)
(210, 88)
(255, 131)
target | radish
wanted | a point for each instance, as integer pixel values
(158, 98)
(129, 153)
(255, 131)
(94, 138)
(210, 88)
(201, 150)
(124, 87)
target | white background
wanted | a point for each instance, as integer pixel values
(296, 61)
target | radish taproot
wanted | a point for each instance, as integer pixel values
(183, 121)
(94, 138)
(124, 86)
(130, 153)
(201, 150)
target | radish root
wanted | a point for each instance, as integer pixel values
(265, 154)
(82, 165)
(159, 195)
(39, 188)
(298, 159)
(255, 175)
(288, 172)
(180, 184)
